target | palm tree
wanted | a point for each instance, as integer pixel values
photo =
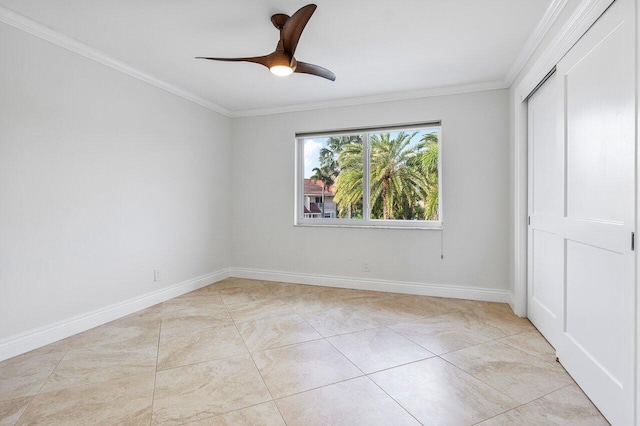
(427, 162)
(324, 175)
(392, 174)
(330, 153)
(348, 188)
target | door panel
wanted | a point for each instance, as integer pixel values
(546, 152)
(546, 209)
(601, 108)
(546, 276)
(593, 321)
(598, 103)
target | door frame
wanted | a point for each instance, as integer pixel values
(578, 24)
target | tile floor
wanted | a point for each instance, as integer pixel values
(243, 352)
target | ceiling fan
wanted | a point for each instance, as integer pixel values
(282, 62)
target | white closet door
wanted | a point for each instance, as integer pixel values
(598, 87)
(546, 210)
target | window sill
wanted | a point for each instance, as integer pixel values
(431, 226)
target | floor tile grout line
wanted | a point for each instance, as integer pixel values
(235, 411)
(319, 387)
(155, 375)
(404, 364)
(254, 362)
(438, 356)
(501, 340)
(479, 379)
(365, 375)
(256, 366)
(329, 384)
(71, 349)
(33, 397)
(525, 404)
(51, 374)
(520, 404)
(390, 297)
(394, 400)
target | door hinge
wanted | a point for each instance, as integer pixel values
(529, 220)
(633, 241)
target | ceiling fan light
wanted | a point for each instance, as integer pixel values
(281, 70)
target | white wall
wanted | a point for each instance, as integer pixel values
(475, 191)
(102, 179)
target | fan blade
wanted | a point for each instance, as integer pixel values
(262, 60)
(305, 68)
(294, 26)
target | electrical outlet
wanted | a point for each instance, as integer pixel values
(157, 275)
(365, 266)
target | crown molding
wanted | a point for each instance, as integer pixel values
(43, 32)
(374, 99)
(60, 39)
(544, 25)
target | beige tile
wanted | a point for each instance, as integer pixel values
(11, 410)
(432, 305)
(519, 375)
(238, 282)
(154, 311)
(55, 347)
(266, 414)
(136, 330)
(310, 302)
(391, 312)
(193, 319)
(565, 407)
(287, 289)
(340, 321)
(449, 332)
(292, 369)
(273, 332)
(202, 302)
(259, 309)
(532, 343)
(437, 393)
(500, 316)
(101, 363)
(378, 349)
(354, 402)
(235, 295)
(198, 346)
(350, 298)
(198, 391)
(24, 374)
(120, 401)
(460, 304)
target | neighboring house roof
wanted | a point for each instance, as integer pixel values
(314, 187)
(313, 208)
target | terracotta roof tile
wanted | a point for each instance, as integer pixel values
(312, 187)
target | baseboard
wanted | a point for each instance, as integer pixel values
(421, 289)
(36, 338)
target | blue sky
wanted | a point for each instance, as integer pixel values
(313, 146)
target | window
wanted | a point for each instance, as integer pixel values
(385, 177)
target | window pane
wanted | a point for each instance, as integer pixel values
(333, 177)
(403, 175)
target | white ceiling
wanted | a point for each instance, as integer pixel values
(373, 47)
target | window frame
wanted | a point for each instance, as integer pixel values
(366, 221)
